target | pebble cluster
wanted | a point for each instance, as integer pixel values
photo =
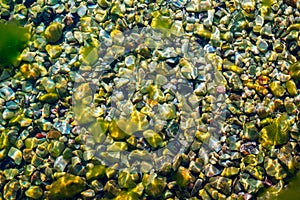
(249, 150)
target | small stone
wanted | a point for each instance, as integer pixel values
(274, 168)
(60, 164)
(48, 84)
(34, 192)
(201, 31)
(49, 97)
(89, 54)
(30, 71)
(262, 45)
(161, 22)
(198, 6)
(221, 183)
(295, 70)
(54, 51)
(11, 189)
(55, 148)
(8, 114)
(276, 132)
(183, 177)
(248, 5)
(16, 155)
(250, 131)
(53, 32)
(112, 187)
(54, 134)
(153, 138)
(230, 171)
(154, 186)
(277, 89)
(82, 10)
(127, 180)
(95, 172)
(66, 186)
(291, 87)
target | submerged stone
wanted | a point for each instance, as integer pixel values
(276, 133)
(66, 186)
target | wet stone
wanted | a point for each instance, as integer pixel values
(53, 32)
(34, 192)
(16, 155)
(66, 186)
(11, 189)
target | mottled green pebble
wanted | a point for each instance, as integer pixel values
(34, 192)
(183, 177)
(291, 87)
(53, 51)
(277, 89)
(230, 171)
(55, 148)
(295, 70)
(89, 54)
(97, 171)
(154, 186)
(49, 97)
(53, 32)
(153, 138)
(127, 180)
(250, 131)
(66, 186)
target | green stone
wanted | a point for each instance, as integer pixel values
(97, 171)
(53, 32)
(34, 192)
(127, 180)
(277, 89)
(127, 195)
(49, 97)
(256, 171)
(250, 131)
(153, 138)
(55, 148)
(115, 131)
(10, 173)
(99, 130)
(161, 22)
(295, 70)
(274, 168)
(89, 54)
(230, 171)
(291, 87)
(67, 154)
(117, 146)
(66, 186)
(275, 133)
(201, 31)
(183, 177)
(154, 186)
(53, 51)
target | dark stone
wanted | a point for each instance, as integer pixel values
(28, 3)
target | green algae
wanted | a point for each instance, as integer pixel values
(13, 40)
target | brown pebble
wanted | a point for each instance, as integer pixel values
(292, 3)
(54, 134)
